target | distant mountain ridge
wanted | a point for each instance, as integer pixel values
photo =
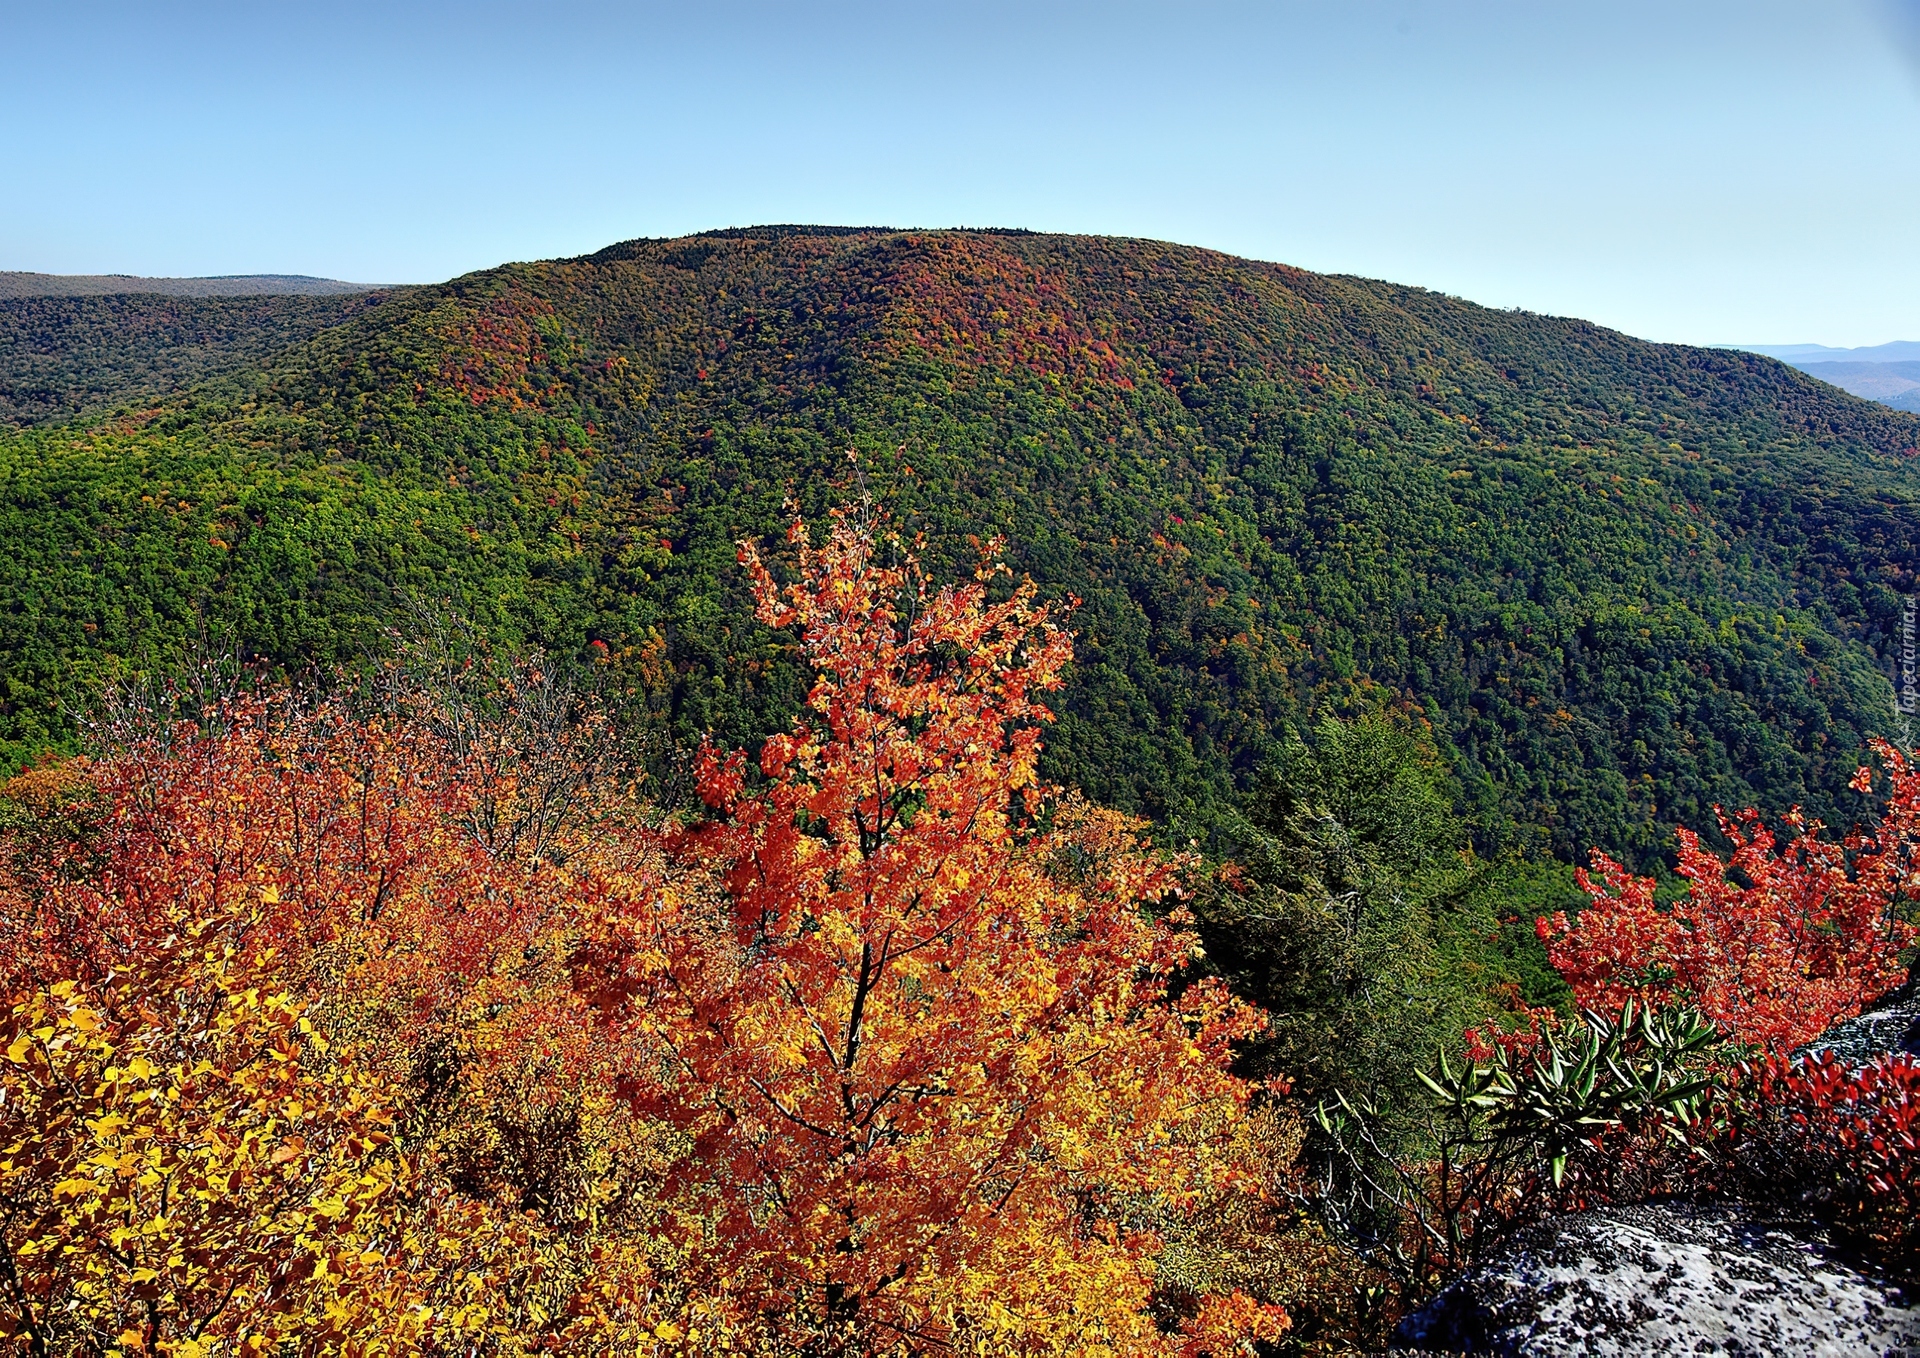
(14, 283)
(1896, 351)
(1887, 373)
(1894, 384)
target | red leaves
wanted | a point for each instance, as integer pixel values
(927, 1052)
(1776, 943)
(1851, 1132)
(1812, 935)
(973, 303)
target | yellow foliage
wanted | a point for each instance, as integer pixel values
(182, 1173)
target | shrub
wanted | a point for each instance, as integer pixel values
(1562, 1118)
(1814, 934)
(1844, 1138)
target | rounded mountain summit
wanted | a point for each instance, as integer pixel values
(1619, 581)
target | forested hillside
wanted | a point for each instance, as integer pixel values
(85, 353)
(1622, 581)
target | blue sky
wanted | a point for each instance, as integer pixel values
(1697, 171)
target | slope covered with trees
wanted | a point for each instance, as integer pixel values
(1617, 581)
(399, 1019)
(85, 353)
(422, 1035)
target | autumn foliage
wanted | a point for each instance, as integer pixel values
(1841, 1136)
(1774, 942)
(1688, 1072)
(397, 1021)
(929, 1064)
(183, 1161)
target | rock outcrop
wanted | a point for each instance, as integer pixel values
(1892, 1025)
(1667, 1279)
(1673, 1278)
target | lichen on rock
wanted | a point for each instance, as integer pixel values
(1668, 1278)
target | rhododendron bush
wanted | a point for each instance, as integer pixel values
(355, 1024)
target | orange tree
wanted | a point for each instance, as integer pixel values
(941, 1086)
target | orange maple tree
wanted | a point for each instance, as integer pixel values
(930, 1055)
(1775, 941)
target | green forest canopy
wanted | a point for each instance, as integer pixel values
(1618, 581)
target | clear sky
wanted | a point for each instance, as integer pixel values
(1690, 170)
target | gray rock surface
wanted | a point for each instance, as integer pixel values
(1893, 1025)
(1667, 1279)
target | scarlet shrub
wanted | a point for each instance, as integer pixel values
(1766, 948)
(1776, 943)
(1812, 934)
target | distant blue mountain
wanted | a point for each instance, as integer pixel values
(1887, 373)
